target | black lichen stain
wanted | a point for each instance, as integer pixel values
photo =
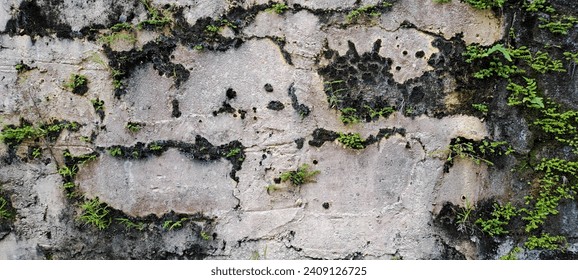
(300, 142)
(120, 242)
(236, 18)
(33, 20)
(302, 109)
(156, 52)
(365, 83)
(321, 135)
(231, 93)
(201, 150)
(225, 108)
(449, 221)
(176, 113)
(275, 105)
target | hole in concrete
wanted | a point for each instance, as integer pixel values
(404, 53)
(326, 205)
(397, 68)
(420, 54)
(268, 87)
(315, 161)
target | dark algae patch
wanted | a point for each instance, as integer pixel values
(201, 150)
(156, 52)
(275, 105)
(33, 20)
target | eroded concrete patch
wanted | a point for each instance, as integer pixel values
(171, 182)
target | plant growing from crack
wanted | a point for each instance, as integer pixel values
(368, 11)
(36, 152)
(83, 159)
(464, 216)
(171, 225)
(351, 140)
(278, 8)
(477, 151)
(334, 90)
(383, 112)
(300, 176)
(349, 116)
(97, 104)
(558, 24)
(114, 37)
(233, 152)
(5, 213)
(69, 172)
(18, 134)
(512, 255)
(480, 107)
(212, 29)
(486, 4)
(133, 127)
(75, 82)
(570, 56)
(128, 224)
(501, 216)
(546, 241)
(538, 6)
(95, 213)
(115, 152)
(21, 67)
(69, 188)
(205, 235)
(155, 147)
(156, 17)
(526, 95)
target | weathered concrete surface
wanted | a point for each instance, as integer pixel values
(477, 26)
(157, 186)
(376, 203)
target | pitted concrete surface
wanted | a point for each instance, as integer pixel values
(377, 202)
